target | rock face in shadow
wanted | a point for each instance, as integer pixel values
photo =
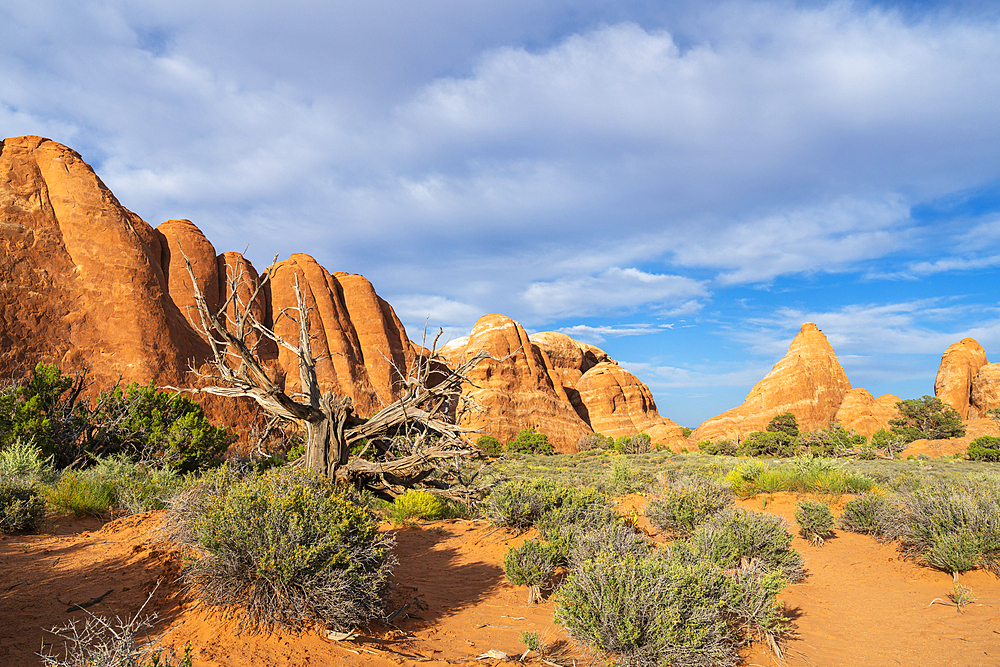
(808, 382)
(865, 414)
(564, 388)
(959, 366)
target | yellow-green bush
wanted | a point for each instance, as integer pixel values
(415, 504)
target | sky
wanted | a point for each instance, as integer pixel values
(680, 183)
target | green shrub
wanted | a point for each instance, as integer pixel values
(685, 502)
(718, 448)
(927, 417)
(532, 565)
(686, 432)
(668, 608)
(815, 520)
(529, 441)
(519, 504)
(415, 504)
(786, 424)
(624, 479)
(489, 445)
(736, 534)
(889, 442)
(612, 537)
(138, 487)
(985, 448)
(636, 444)
(283, 549)
(81, 493)
(23, 458)
(870, 513)
(21, 506)
(768, 443)
(955, 529)
(834, 440)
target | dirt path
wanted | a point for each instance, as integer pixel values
(860, 606)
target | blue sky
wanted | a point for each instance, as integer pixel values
(682, 184)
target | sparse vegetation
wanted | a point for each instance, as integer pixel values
(870, 513)
(815, 520)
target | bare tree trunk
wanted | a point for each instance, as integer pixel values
(426, 417)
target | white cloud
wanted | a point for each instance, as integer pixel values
(589, 334)
(615, 290)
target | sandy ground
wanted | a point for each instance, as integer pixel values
(860, 605)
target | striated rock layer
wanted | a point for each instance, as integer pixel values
(985, 394)
(808, 382)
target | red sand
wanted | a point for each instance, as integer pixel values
(860, 605)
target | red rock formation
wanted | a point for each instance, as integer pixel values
(81, 281)
(808, 382)
(177, 239)
(959, 365)
(516, 391)
(865, 414)
(617, 403)
(985, 391)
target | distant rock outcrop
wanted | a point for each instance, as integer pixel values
(959, 366)
(516, 389)
(863, 413)
(564, 388)
(617, 404)
(808, 382)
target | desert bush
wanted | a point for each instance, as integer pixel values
(736, 534)
(718, 448)
(489, 445)
(889, 442)
(686, 432)
(415, 504)
(802, 475)
(530, 441)
(927, 417)
(520, 504)
(768, 443)
(137, 487)
(640, 443)
(985, 448)
(815, 520)
(22, 458)
(871, 513)
(667, 608)
(954, 529)
(684, 502)
(624, 478)
(835, 440)
(594, 441)
(81, 493)
(742, 479)
(532, 565)
(613, 537)
(99, 641)
(282, 549)
(21, 505)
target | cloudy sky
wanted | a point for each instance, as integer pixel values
(680, 183)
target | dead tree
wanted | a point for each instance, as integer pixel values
(402, 444)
